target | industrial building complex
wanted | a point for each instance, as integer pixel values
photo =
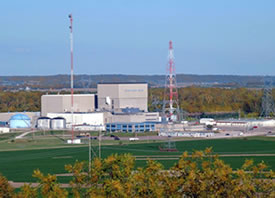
(115, 107)
(114, 103)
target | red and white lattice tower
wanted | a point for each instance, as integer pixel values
(72, 75)
(170, 100)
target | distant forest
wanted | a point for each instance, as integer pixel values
(197, 99)
(20, 101)
(90, 81)
(191, 99)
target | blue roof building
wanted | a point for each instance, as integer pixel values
(20, 121)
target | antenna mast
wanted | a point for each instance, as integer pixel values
(72, 74)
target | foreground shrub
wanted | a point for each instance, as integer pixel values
(201, 174)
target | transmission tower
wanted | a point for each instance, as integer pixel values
(170, 100)
(268, 108)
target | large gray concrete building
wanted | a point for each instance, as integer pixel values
(62, 103)
(117, 96)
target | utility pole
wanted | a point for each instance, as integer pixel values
(99, 143)
(90, 154)
(239, 112)
(72, 75)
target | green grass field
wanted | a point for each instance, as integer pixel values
(18, 165)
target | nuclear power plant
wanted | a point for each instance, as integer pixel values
(119, 106)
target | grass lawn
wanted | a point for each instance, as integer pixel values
(42, 142)
(7, 136)
(19, 165)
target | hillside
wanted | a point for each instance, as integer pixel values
(90, 81)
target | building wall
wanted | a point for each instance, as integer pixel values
(264, 123)
(122, 96)
(187, 134)
(247, 123)
(130, 127)
(51, 103)
(180, 127)
(138, 117)
(62, 103)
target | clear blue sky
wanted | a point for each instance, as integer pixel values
(131, 36)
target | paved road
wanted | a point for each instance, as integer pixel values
(24, 134)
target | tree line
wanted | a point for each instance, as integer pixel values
(191, 99)
(201, 174)
(20, 101)
(198, 99)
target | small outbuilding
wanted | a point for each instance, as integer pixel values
(4, 130)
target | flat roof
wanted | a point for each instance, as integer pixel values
(76, 113)
(244, 120)
(68, 95)
(129, 123)
(122, 83)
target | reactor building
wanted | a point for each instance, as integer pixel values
(62, 103)
(117, 96)
(116, 107)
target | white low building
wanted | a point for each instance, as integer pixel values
(246, 123)
(207, 121)
(231, 123)
(75, 141)
(264, 123)
(93, 120)
(4, 130)
(89, 128)
(187, 134)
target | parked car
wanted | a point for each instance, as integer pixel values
(116, 138)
